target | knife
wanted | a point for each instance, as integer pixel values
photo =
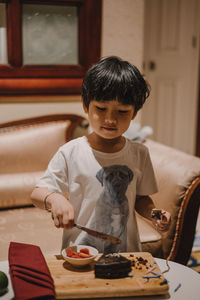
(99, 235)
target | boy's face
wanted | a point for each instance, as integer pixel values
(109, 119)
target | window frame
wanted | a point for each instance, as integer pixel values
(16, 78)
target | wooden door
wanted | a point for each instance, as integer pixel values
(171, 54)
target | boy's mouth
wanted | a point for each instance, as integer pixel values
(109, 128)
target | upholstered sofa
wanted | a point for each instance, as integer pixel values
(26, 146)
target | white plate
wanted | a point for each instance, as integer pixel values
(80, 262)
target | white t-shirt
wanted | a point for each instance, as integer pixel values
(102, 188)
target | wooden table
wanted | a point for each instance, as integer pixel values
(72, 283)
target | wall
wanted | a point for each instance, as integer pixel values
(122, 35)
(122, 30)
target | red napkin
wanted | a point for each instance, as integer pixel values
(29, 273)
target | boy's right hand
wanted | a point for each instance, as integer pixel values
(61, 210)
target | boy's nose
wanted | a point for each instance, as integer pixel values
(111, 118)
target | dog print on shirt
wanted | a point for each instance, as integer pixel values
(112, 210)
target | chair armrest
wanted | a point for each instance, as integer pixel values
(186, 223)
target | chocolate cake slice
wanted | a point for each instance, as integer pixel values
(112, 265)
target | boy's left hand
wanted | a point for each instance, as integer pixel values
(161, 224)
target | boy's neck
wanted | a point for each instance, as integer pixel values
(105, 145)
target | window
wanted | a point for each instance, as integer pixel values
(47, 46)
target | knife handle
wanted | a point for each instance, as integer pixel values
(78, 226)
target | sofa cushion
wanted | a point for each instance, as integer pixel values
(175, 171)
(146, 230)
(30, 147)
(173, 176)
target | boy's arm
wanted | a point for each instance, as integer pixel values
(38, 195)
(61, 209)
(145, 207)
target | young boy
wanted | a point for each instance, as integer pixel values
(99, 180)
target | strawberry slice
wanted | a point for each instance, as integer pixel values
(85, 250)
(84, 255)
(75, 255)
(69, 252)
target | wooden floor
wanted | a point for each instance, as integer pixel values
(28, 225)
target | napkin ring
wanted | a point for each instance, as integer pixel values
(45, 201)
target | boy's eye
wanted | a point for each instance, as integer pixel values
(101, 108)
(123, 111)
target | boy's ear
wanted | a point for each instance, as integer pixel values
(85, 108)
(134, 115)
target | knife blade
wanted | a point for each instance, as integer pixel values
(99, 235)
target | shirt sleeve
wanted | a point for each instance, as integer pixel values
(147, 184)
(55, 177)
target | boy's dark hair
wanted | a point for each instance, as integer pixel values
(113, 78)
